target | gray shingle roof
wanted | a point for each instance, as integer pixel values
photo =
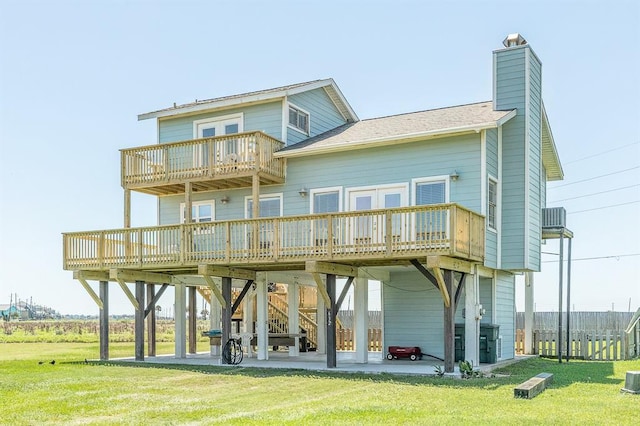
(403, 126)
(258, 96)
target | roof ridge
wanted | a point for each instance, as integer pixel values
(272, 89)
(425, 110)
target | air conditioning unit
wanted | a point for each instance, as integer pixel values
(555, 217)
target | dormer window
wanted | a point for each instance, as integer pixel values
(299, 119)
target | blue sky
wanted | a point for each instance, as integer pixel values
(75, 74)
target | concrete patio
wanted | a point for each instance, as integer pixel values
(314, 361)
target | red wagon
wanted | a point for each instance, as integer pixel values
(411, 352)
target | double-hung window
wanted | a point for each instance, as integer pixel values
(270, 206)
(431, 225)
(299, 119)
(325, 201)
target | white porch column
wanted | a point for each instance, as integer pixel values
(293, 300)
(262, 324)
(181, 321)
(361, 319)
(321, 320)
(472, 318)
(247, 312)
(528, 313)
(214, 322)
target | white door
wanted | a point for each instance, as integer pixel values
(369, 229)
(213, 128)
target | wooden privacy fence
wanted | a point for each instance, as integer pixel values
(609, 345)
(345, 339)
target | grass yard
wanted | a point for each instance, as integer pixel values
(72, 392)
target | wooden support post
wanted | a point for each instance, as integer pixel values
(226, 313)
(150, 312)
(472, 319)
(104, 321)
(139, 321)
(293, 300)
(560, 265)
(321, 319)
(127, 208)
(361, 317)
(528, 313)
(255, 196)
(181, 329)
(188, 213)
(192, 320)
(262, 323)
(331, 321)
(449, 324)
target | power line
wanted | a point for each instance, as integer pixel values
(600, 153)
(597, 193)
(605, 207)
(596, 177)
(594, 258)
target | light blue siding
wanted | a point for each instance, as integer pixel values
(323, 114)
(263, 117)
(505, 312)
(517, 88)
(413, 313)
(486, 299)
(363, 167)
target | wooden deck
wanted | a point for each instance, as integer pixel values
(209, 164)
(373, 237)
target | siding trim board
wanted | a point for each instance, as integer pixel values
(483, 172)
(527, 160)
(499, 218)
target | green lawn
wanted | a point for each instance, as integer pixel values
(72, 392)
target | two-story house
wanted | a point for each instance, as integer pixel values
(289, 186)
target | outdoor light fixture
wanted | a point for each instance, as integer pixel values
(224, 200)
(454, 176)
(303, 192)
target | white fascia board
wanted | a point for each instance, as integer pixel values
(250, 99)
(354, 116)
(390, 140)
(507, 117)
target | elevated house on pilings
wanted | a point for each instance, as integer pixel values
(289, 186)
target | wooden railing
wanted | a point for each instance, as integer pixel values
(200, 159)
(373, 235)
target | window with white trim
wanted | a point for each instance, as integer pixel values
(270, 206)
(433, 192)
(326, 202)
(431, 225)
(201, 211)
(492, 205)
(298, 119)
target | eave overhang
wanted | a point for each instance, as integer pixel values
(550, 158)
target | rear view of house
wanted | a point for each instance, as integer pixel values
(288, 187)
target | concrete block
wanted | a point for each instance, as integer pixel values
(632, 382)
(533, 386)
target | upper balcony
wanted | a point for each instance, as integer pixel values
(222, 162)
(372, 237)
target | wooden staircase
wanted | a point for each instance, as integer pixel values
(278, 313)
